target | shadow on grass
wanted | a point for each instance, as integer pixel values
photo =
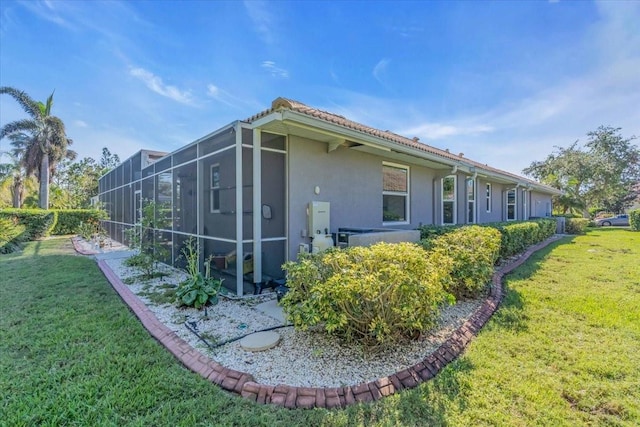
(511, 314)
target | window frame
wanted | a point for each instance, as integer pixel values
(406, 195)
(454, 200)
(470, 202)
(214, 189)
(488, 195)
(514, 204)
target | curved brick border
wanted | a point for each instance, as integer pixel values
(308, 397)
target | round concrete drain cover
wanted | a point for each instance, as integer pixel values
(260, 341)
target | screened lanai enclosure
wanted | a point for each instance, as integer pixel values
(209, 190)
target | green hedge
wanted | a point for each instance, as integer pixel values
(634, 219)
(576, 225)
(516, 236)
(70, 220)
(474, 251)
(40, 223)
(11, 235)
(374, 295)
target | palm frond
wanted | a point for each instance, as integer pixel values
(24, 125)
(26, 102)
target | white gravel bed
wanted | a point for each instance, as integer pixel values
(305, 359)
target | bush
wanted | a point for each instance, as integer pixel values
(198, 289)
(634, 219)
(516, 236)
(474, 251)
(11, 235)
(39, 223)
(374, 295)
(71, 220)
(576, 225)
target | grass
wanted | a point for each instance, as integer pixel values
(564, 349)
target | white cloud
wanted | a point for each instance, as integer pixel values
(263, 20)
(156, 84)
(435, 131)
(81, 123)
(380, 69)
(213, 90)
(275, 71)
(224, 97)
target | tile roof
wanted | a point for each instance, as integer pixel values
(289, 104)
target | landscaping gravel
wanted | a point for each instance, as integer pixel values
(306, 359)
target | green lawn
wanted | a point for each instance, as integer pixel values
(564, 349)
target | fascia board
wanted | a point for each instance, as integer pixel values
(302, 120)
(293, 117)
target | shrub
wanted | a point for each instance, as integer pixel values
(70, 220)
(11, 235)
(374, 295)
(474, 251)
(516, 236)
(39, 223)
(199, 289)
(576, 225)
(634, 219)
(148, 242)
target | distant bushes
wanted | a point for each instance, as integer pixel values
(516, 236)
(634, 219)
(40, 223)
(70, 221)
(577, 225)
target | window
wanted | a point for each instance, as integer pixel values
(525, 213)
(471, 201)
(215, 188)
(511, 205)
(488, 191)
(449, 200)
(395, 193)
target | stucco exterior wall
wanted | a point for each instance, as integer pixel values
(352, 182)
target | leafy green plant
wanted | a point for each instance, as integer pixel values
(39, 223)
(199, 289)
(373, 295)
(148, 241)
(516, 235)
(634, 219)
(70, 220)
(473, 251)
(11, 235)
(576, 225)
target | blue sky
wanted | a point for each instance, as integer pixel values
(503, 82)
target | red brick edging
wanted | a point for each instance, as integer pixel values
(309, 397)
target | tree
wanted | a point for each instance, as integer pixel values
(603, 174)
(108, 161)
(76, 182)
(48, 144)
(14, 171)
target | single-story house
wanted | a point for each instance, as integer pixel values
(258, 191)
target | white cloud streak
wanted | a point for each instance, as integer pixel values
(380, 69)
(274, 70)
(156, 84)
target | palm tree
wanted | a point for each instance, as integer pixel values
(48, 142)
(15, 171)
